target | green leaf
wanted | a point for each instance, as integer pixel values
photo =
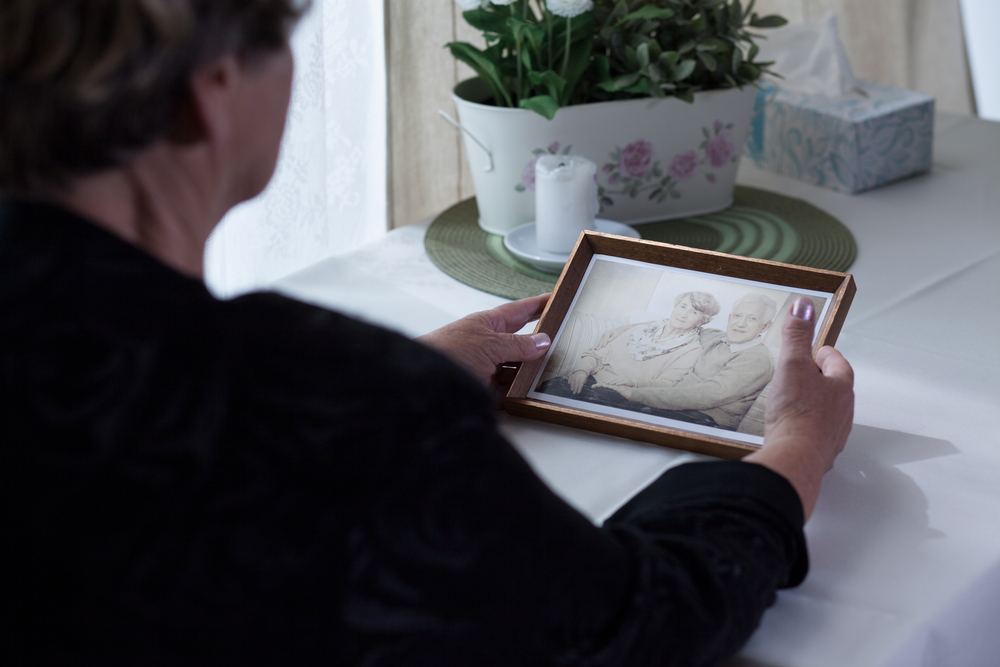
(552, 81)
(530, 34)
(620, 83)
(525, 57)
(543, 105)
(687, 46)
(640, 87)
(770, 21)
(579, 62)
(737, 59)
(722, 16)
(749, 72)
(486, 21)
(713, 45)
(684, 70)
(648, 12)
(707, 60)
(631, 58)
(484, 67)
(669, 59)
(736, 14)
(602, 65)
(620, 9)
(642, 55)
(654, 49)
(752, 53)
(654, 73)
(687, 96)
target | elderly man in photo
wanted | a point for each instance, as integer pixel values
(733, 369)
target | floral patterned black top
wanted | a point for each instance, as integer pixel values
(258, 481)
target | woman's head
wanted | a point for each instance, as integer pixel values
(693, 309)
(86, 84)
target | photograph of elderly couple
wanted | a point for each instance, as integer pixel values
(672, 347)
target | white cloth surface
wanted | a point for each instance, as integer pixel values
(905, 539)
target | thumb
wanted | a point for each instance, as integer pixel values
(529, 347)
(797, 330)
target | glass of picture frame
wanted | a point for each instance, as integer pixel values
(669, 345)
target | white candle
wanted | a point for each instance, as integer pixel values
(565, 200)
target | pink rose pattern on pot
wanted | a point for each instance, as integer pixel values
(634, 169)
(636, 159)
(720, 148)
(684, 165)
(527, 183)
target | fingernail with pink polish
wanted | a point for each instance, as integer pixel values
(803, 309)
(540, 340)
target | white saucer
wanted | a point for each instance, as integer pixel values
(522, 244)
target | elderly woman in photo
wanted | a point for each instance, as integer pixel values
(648, 354)
(193, 481)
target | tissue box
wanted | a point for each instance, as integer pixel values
(851, 143)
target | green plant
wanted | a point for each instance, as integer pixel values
(617, 49)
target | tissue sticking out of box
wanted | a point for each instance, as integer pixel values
(810, 58)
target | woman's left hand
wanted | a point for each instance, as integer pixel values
(481, 341)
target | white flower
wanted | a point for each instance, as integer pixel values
(469, 5)
(569, 8)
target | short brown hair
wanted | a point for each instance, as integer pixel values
(703, 302)
(85, 84)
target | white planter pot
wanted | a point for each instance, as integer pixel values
(656, 159)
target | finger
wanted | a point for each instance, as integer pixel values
(511, 317)
(511, 347)
(833, 365)
(797, 330)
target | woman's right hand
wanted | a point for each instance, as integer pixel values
(810, 408)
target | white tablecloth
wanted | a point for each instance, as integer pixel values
(905, 539)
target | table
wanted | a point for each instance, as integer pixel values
(905, 539)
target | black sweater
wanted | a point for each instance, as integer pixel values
(259, 481)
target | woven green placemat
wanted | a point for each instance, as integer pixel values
(759, 224)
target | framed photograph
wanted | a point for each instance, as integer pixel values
(669, 345)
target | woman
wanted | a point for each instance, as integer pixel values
(649, 354)
(196, 481)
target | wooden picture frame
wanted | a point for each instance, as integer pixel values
(610, 271)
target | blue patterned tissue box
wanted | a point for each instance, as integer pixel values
(851, 144)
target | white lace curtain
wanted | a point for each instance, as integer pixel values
(328, 194)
